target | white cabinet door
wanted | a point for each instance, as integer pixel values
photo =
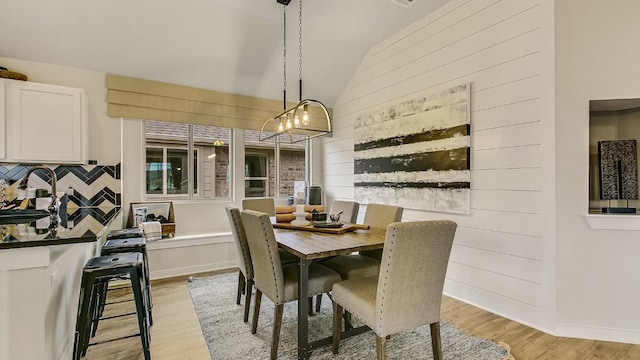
(46, 123)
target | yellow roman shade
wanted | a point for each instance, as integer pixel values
(152, 100)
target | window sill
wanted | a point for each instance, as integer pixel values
(613, 221)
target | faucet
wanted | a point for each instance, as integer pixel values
(23, 185)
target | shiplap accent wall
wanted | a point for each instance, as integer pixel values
(501, 258)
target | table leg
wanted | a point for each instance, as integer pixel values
(303, 309)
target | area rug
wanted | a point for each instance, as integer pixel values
(228, 337)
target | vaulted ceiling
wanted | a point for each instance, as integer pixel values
(224, 45)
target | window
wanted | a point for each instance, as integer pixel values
(173, 172)
(167, 171)
(261, 175)
(256, 179)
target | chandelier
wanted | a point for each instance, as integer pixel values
(309, 118)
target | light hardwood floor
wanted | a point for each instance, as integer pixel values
(176, 331)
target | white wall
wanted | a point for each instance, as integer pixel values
(503, 257)
(598, 270)
(104, 131)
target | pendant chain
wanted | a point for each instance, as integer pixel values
(300, 45)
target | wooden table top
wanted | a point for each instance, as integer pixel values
(316, 245)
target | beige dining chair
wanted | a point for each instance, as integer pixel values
(349, 210)
(245, 265)
(349, 214)
(365, 263)
(408, 292)
(277, 282)
(379, 216)
(263, 204)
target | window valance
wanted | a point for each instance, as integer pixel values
(145, 99)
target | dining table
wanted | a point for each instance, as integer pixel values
(311, 244)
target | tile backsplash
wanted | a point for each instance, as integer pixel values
(86, 185)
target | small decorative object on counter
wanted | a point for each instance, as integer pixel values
(335, 217)
(318, 216)
(152, 230)
(7, 74)
(140, 216)
(161, 212)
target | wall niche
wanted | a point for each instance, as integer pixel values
(614, 135)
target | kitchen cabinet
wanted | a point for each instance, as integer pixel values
(40, 283)
(44, 123)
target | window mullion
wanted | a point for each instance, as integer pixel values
(165, 161)
(190, 159)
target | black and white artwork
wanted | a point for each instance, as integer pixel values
(416, 154)
(618, 169)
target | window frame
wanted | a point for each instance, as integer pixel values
(195, 152)
(190, 159)
(264, 157)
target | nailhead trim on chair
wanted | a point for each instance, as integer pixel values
(273, 270)
(244, 251)
(386, 271)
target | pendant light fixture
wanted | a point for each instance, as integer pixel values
(309, 118)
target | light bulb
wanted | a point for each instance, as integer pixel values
(305, 115)
(289, 123)
(296, 121)
(280, 127)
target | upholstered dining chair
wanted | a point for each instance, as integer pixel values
(349, 210)
(408, 292)
(263, 204)
(277, 282)
(379, 216)
(245, 265)
(366, 263)
(349, 214)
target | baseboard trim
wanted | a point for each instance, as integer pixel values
(493, 311)
(578, 331)
(628, 336)
(189, 270)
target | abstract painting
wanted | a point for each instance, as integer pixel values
(618, 169)
(416, 154)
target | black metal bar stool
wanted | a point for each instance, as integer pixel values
(96, 273)
(125, 233)
(117, 245)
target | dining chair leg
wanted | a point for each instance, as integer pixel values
(435, 341)
(337, 326)
(381, 347)
(256, 311)
(318, 302)
(347, 321)
(277, 325)
(247, 299)
(240, 286)
(310, 306)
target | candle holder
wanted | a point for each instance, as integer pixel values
(301, 217)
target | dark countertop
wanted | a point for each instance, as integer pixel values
(77, 226)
